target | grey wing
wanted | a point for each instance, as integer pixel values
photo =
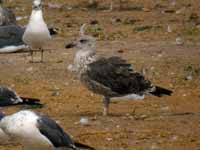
(11, 36)
(50, 129)
(8, 96)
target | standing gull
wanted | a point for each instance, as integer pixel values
(36, 131)
(36, 33)
(9, 97)
(111, 77)
(7, 17)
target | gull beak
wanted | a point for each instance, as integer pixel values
(70, 45)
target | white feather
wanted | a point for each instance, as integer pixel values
(36, 33)
(11, 49)
(22, 126)
(131, 97)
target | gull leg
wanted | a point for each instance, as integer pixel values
(106, 101)
(31, 53)
(111, 5)
(42, 54)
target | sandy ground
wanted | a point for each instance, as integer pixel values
(139, 32)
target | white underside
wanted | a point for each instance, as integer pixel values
(36, 33)
(130, 97)
(5, 139)
(22, 126)
(12, 49)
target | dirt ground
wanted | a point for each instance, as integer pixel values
(146, 33)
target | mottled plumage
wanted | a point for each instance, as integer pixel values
(117, 75)
(110, 77)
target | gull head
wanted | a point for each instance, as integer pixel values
(37, 5)
(84, 42)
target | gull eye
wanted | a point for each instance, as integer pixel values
(83, 41)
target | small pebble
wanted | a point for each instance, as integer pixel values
(169, 29)
(55, 93)
(189, 77)
(30, 69)
(109, 139)
(174, 138)
(179, 41)
(84, 121)
(165, 108)
(54, 6)
(154, 146)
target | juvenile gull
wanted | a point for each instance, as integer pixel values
(9, 97)
(7, 17)
(36, 131)
(111, 77)
(36, 33)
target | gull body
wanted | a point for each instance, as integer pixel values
(36, 131)
(110, 77)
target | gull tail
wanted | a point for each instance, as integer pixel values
(159, 91)
(83, 146)
(30, 101)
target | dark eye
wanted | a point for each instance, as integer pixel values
(83, 40)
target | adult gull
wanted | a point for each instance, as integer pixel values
(11, 38)
(37, 131)
(111, 77)
(36, 33)
(10, 97)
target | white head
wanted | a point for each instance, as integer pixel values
(37, 5)
(84, 42)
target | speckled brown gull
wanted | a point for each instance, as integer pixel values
(111, 77)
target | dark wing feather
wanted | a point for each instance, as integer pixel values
(50, 129)
(11, 36)
(116, 74)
